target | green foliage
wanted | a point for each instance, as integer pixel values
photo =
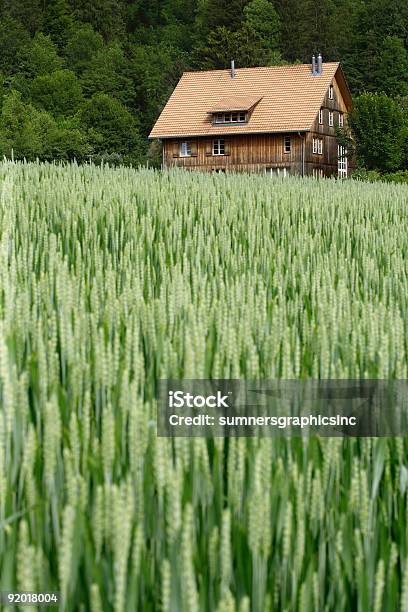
(404, 146)
(105, 16)
(222, 46)
(19, 129)
(292, 28)
(374, 21)
(58, 21)
(372, 176)
(109, 72)
(377, 125)
(3, 89)
(26, 132)
(397, 177)
(111, 128)
(40, 57)
(83, 44)
(155, 69)
(221, 13)
(14, 38)
(262, 18)
(392, 67)
(255, 43)
(246, 47)
(59, 93)
(369, 176)
(155, 154)
(65, 140)
(27, 12)
(307, 27)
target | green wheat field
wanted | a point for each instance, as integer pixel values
(111, 279)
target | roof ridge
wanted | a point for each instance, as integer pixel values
(337, 63)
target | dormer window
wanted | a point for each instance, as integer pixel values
(233, 109)
(234, 117)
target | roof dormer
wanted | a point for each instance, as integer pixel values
(233, 109)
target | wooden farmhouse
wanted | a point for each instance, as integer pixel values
(277, 119)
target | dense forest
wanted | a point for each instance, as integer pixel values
(86, 80)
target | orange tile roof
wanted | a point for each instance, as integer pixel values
(234, 103)
(291, 98)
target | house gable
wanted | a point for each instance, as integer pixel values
(339, 104)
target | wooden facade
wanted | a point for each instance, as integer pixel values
(267, 152)
(256, 153)
(327, 162)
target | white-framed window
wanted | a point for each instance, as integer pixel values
(219, 146)
(321, 116)
(318, 146)
(234, 117)
(281, 171)
(331, 121)
(317, 173)
(331, 93)
(287, 144)
(185, 149)
(342, 161)
(341, 120)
